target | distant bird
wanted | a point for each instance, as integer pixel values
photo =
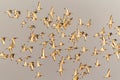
(67, 12)
(97, 64)
(51, 13)
(89, 23)
(38, 75)
(80, 22)
(108, 74)
(3, 40)
(10, 12)
(110, 24)
(39, 6)
(43, 56)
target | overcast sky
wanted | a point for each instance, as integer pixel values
(98, 11)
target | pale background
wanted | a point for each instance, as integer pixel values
(97, 10)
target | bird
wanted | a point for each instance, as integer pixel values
(80, 22)
(34, 15)
(13, 40)
(4, 55)
(68, 57)
(77, 57)
(84, 74)
(88, 68)
(118, 46)
(38, 75)
(9, 13)
(81, 66)
(109, 35)
(12, 55)
(39, 6)
(38, 64)
(117, 54)
(24, 48)
(70, 48)
(62, 60)
(97, 64)
(60, 70)
(95, 52)
(84, 49)
(110, 22)
(10, 48)
(113, 44)
(108, 74)
(61, 44)
(89, 23)
(29, 16)
(107, 57)
(118, 30)
(44, 44)
(30, 49)
(23, 23)
(78, 35)
(3, 40)
(47, 21)
(53, 44)
(67, 12)
(27, 57)
(76, 75)
(19, 60)
(17, 14)
(31, 27)
(102, 32)
(97, 35)
(102, 49)
(33, 37)
(43, 56)
(54, 54)
(42, 34)
(63, 35)
(31, 65)
(85, 36)
(51, 13)
(104, 41)
(25, 64)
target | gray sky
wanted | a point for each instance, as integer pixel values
(98, 11)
